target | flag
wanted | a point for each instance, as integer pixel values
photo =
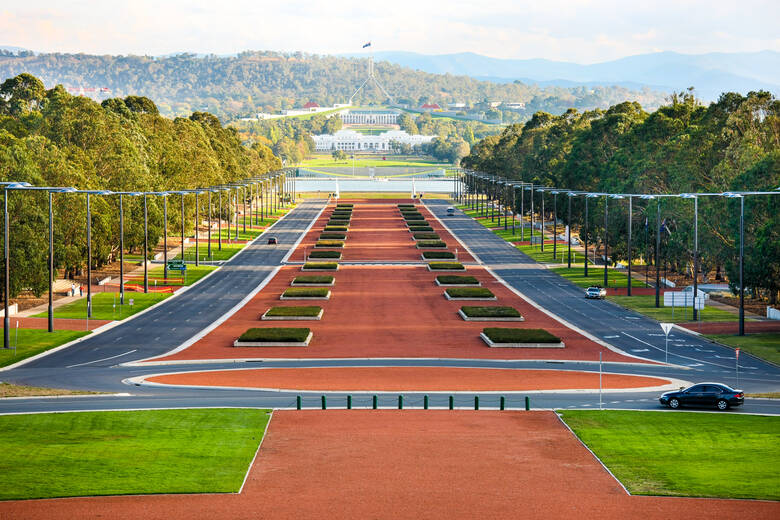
(367, 45)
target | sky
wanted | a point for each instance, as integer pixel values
(581, 31)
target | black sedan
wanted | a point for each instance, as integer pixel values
(704, 394)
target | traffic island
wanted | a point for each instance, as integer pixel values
(329, 243)
(314, 281)
(320, 266)
(426, 236)
(469, 293)
(308, 313)
(319, 255)
(520, 338)
(329, 235)
(495, 313)
(336, 228)
(337, 222)
(432, 244)
(453, 280)
(344, 205)
(437, 255)
(446, 266)
(275, 337)
(423, 228)
(306, 293)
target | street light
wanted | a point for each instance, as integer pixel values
(695, 248)
(89, 245)
(6, 319)
(606, 234)
(122, 242)
(732, 195)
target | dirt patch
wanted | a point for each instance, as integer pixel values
(11, 390)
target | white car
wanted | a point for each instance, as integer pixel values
(450, 211)
(596, 293)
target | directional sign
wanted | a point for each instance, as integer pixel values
(666, 327)
(177, 267)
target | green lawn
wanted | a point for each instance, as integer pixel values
(103, 306)
(228, 250)
(249, 234)
(596, 277)
(193, 275)
(366, 162)
(685, 453)
(646, 305)
(30, 342)
(766, 345)
(111, 453)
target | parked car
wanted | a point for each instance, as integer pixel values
(596, 292)
(450, 211)
(272, 241)
(704, 394)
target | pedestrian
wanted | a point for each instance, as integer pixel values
(72, 289)
(81, 290)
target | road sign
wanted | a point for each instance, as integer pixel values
(666, 327)
(177, 266)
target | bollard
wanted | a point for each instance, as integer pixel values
(476, 402)
(425, 402)
(452, 402)
(400, 402)
(324, 403)
(502, 403)
(527, 403)
(349, 402)
(298, 402)
(374, 401)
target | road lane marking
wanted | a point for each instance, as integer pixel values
(104, 359)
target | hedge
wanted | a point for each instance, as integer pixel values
(451, 266)
(418, 228)
(491, 312)
(313, 278)
(406, 205)
(286, 334)
(337, 222)
(438, 255)
(306, 292)
(325, 254)
(416, 217)
(426, 236)
(344, 205)
(453, 279)
(333, 236)
(508, 335)
(304, 312)
(329, 243)
(335, 228)
(321, 265)
(432, 243)
(470, 292)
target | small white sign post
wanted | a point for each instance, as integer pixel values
(737, 358)
(667, 327)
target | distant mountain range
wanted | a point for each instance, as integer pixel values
(711, 74)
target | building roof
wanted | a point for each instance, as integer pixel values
(434, 106)
(311, 104)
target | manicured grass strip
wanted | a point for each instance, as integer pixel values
(321, 265)
(334, 222)
(305, 311)
(30, 342)
(685, 453)
(646, 306)
(228, 251)
(510, 335)
(765, 345)
(414, 218)
(451, 279)
(103, 306)
(437, 255)
(596, 277)
(431, 243)
(333, 236)
(341, 213)
(335, 228)
(175, 278)
(446, 266)
(325, 254)
(141, 452)
(420, 229)
(329, 243)
(405, 205)
(470, 292)
(249, 234)
(281, 334)
(491, 312)
(344, 205)
(426, 236)
(310, 292)
(313, 279)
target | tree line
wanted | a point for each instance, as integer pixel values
(51, 138)
(683, 147)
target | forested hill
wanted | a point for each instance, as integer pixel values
(241, 85)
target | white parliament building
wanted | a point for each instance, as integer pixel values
(350, 140)
(369, 117)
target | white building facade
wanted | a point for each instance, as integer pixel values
(370, 117)
(352, 141)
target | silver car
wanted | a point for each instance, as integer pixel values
(595, 293)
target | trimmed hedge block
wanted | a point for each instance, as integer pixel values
(438, 255)
(470, 293)
(319, 293)
(423, 244)
(446, 266)
(333, 236)
(528, 338)
(451, 279)
(335, 228)
(426, 236)
(320, 266)
(329, 243)
(313, 280)
(293, 313)
(490, 314)
(274, 337)
(325, 254)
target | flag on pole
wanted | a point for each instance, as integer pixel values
(367, 45)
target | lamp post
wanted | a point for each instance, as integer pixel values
(122, 243)
(741, 258)
(182, 193)
(695, 249)
(6, 253)
(89, 245)
(541, 195)
(606, 235)
(569, 196)
(146, 247)
(630, 216)
(589, 196)
(555, 225)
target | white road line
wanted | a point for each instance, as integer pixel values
(104, 359)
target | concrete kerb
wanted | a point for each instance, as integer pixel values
(573, 327)
(109, 326)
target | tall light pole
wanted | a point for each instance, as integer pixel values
(89, 245)
(6, 252)
(146, 247)
(695, 249)
(741, 258)
(555, 225)
(541, 195)
(569, 196)
(630, 217)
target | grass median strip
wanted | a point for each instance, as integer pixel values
(685, 453)
(139, 452)
(29, 342)
(765, 345)
(646, 305)
(11, 390)
(105, 306)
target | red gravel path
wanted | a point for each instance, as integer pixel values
(377, 312)
(407, 379)
(413, 464)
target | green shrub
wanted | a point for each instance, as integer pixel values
(325, 254)
(321, 265)
(338, 222)
(344, 205)
(306, 292)
(329, 243)
(446, 266)
(413, 218)
(509, 335)
(470, 292)
(302, 312)
(491, 312)
(406, 205)
(419, 227)
(347, 212)
(426, 236)
(269, 334)
(438, 255)
(333, 236)
(336, 228)
(432, 243)
(312, 278)
(451, 279)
